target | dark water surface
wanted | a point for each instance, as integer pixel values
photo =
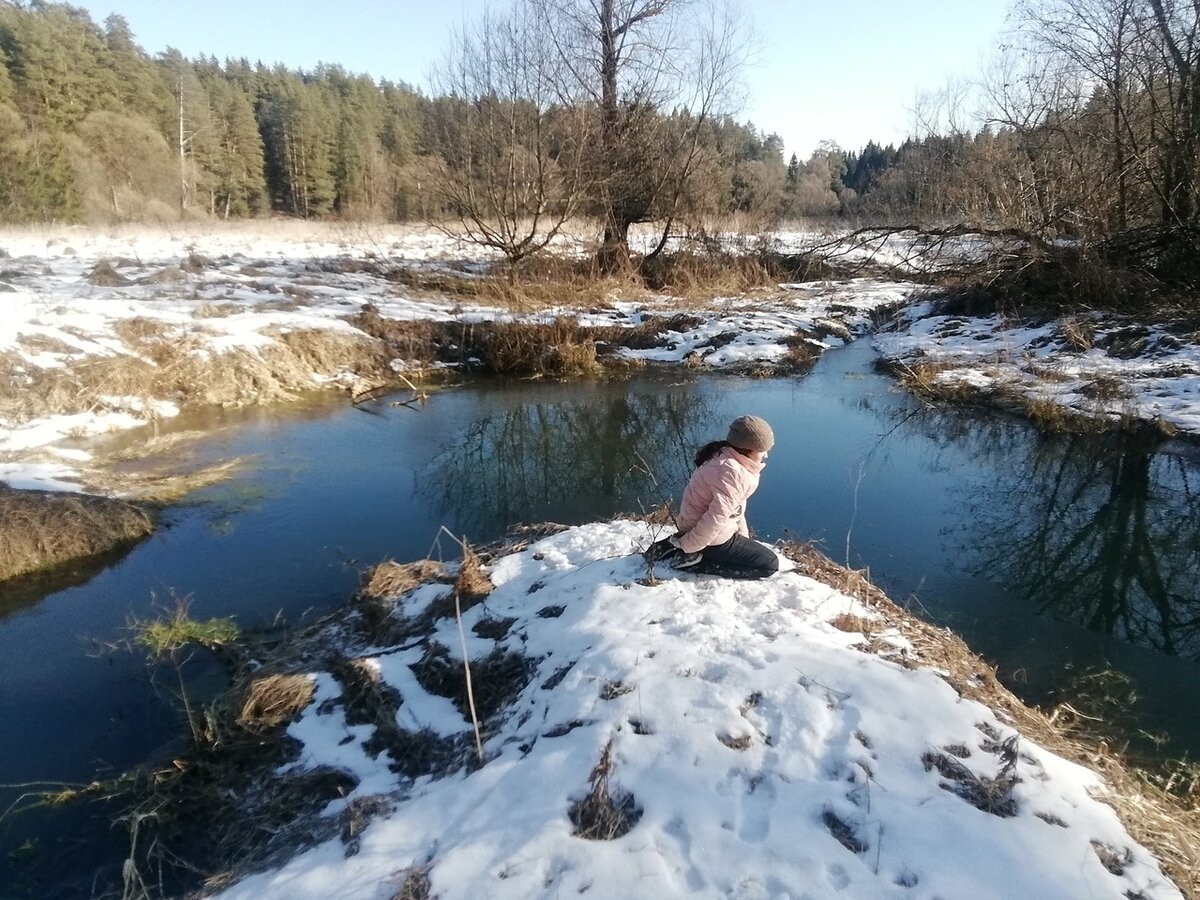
(1050, 555)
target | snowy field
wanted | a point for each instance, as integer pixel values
(71, 300)
(74, 299)
(1097, 366)
(754, 750)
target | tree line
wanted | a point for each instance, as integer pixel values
(618, 110)
(92, 128)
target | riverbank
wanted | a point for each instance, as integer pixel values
(105, 332)
(645, 737)
(1083, 371)
(108, 332)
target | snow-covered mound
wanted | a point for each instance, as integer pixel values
(736, 742)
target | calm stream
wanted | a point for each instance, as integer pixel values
(1050, 555)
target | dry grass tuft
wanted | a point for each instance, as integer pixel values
(814, 564)
(472, 583)
(208, 310)
(274, 700)
(1155, 812)
(604, 814)
(802, 350)
(43, 529)
(707, 275)
(851, 623)
(166, 275)
(922, 379)
(1045, 413)
(661, 515)
(561, 347)
(416, 885)
(1078, 333)
(1105, 389)
(104, 274)
(390, 579)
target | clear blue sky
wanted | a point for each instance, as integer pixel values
(842, 71)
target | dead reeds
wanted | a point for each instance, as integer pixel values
(274, 700)
(43, 529)
(165, 364)
(390, 579)
(604, 813)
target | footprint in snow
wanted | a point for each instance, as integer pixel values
(756, 809)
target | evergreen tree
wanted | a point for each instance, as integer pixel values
(793, 174)
(142, 89)
(236, 173)
(49, 191)
(7, 92)
(57, 63)
(298, 135)
(12, 165)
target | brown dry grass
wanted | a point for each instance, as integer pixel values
(538, 283)
(1078, 333)
(921, 378)
(1045, 413)
(165, 364)
(801, 351)
(158, 445)
(163, 487)
(43, 529)
(274, 700)
(390, 579)
(415, 886)
(851, 623)
(1152, 809)
(604, 813)
(561, 347)
(472, 583)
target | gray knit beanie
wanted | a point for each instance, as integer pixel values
(751, 433)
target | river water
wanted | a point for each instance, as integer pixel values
(1052, 556)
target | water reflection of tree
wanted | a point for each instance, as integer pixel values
(1102, 530)
(576, 459)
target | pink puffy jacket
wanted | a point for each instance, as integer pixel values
(713, 508)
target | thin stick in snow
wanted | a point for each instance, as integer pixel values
(462, 636)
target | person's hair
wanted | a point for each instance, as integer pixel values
(709, 450)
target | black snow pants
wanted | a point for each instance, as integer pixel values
(738, 557)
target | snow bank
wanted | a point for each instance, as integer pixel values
(1100, 366)
(761, 752)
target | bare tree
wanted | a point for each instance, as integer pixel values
(1096, 39)
(512, 146)
(657, 72)
(1177, 27)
